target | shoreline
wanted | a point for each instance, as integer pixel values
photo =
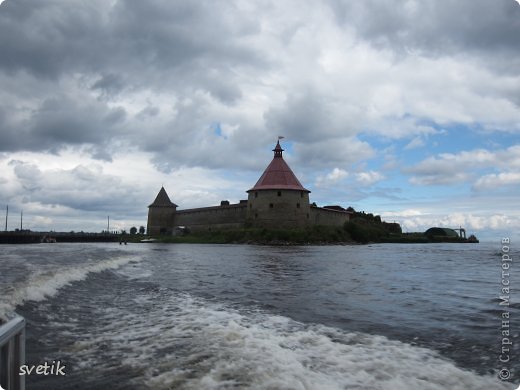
(319, 236)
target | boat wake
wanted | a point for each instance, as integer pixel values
(43, 283)
(175, 340)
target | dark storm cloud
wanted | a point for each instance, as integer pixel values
(60, 120)
(308, 117)
(341, 152)
(447, 27)
(178, 148)
(47, 38)
(95, 52)
(109, 84)
(148, 40)
(147, 112)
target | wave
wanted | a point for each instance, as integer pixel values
(178, 341)
(44, 284)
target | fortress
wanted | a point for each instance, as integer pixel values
(277, 200)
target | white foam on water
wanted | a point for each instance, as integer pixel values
(44, 284)
(178, 341)
(135, 271)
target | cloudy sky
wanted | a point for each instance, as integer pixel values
(409, 109)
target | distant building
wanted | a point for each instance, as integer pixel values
(277, 200)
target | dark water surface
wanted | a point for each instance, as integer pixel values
(159, 316)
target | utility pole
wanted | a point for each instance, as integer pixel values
(21, 220)
(6, 215)
(108, 224)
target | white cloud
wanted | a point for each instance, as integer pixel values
(449, 168)
(415, 143)
(440, 178)
(403, 213)
(337, 174)
(331, 178)
(368, 178)
(472, 222)
(497, 181)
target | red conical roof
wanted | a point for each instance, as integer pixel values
(278, 175)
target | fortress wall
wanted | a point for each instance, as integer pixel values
(269, 210)
(327, 217)
(212, 218)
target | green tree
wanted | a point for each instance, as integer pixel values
(133, 230)
(141, 229)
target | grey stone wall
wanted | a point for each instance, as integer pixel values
(283, 209)
(212, 218)
(327, 217)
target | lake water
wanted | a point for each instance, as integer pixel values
(156, 316)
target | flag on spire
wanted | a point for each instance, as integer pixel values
(280, 137)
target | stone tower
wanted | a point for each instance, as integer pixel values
(160, 214)
(278, 200)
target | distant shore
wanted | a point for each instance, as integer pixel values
(317, 235)
(30, 237)
(350, 234)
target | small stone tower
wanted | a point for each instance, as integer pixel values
(278, 200)
(160, 214)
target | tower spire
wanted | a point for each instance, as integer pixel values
(278, 150)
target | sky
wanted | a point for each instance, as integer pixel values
(407, 109)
